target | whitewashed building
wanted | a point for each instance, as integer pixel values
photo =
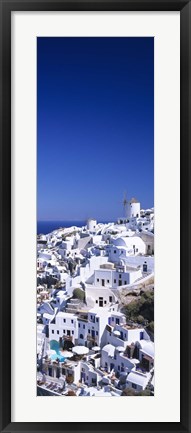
(92, 327)
(123, 247)
(116, 277)
(137, 380)
(64, 325)
(97, 296)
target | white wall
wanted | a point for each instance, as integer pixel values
(132, 246)
(93, 263)
(118, 362)
(127, 336)
(113, 278)
(63, 322)
(139, 260)
(93, 293)
(91, 225)
(46, 255)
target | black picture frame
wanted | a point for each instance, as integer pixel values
(7, 7)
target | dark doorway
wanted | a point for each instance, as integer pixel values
(100, 302)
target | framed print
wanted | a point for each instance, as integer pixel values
(95, 215)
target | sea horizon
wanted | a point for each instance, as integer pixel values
(44, 226)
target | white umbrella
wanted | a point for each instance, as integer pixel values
(117, 333)
(80, 350)
(120, 348)
(96, 348)
(67, 354)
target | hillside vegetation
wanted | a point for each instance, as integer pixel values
(141, 309)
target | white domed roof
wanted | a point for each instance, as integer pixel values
(126, 241)
(120, 242)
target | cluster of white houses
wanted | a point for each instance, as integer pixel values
(84, 345)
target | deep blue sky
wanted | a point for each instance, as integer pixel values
(95, 126)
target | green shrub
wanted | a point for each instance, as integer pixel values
(145, 393)
(128, 391)
(141, 308)
(140, 319)
(150, 327)
(79, 294)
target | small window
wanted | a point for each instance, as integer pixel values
(79, 325)
(97, 320)
(119, 275)
(88, 331)
(72, 321)
(63, 331)
(134, 386)
(114, 251)
(96, 301)
(107, 281)
(58, 332)
(121, 251)
(72, 332)
(83, 326)
(125, 282)
(104, 302)
(96, 332)
(81, 336)
(97, 280)
(110, 298)
(114, 281)
(136, 250)
(119, 367)
(53, 331)
(64, 320)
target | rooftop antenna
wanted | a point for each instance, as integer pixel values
(125, 203)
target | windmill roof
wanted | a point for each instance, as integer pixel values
(134, 200)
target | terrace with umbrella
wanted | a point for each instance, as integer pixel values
(79, 352)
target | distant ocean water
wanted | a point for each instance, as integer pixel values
(44, 227)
